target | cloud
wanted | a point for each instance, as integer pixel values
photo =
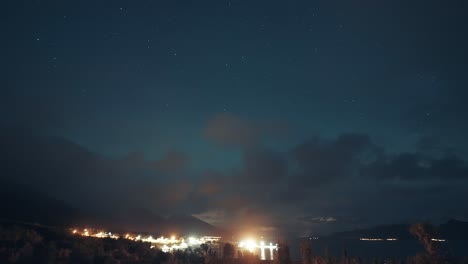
(209, 189)
(322, 219)
(174, 193)
(319, 162)
(230, 130)
(328, 180)
(173, 161)
(263, 166)
(214, 217)
(66, 170)
(227, 129)
(417, 167)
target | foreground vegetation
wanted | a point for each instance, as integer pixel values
(38, 244)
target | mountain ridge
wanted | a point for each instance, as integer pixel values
(452, 230)
(23, 204)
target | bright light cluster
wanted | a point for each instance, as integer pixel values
(251, 245)
(93, 233)
(377, 239)
(371, 239)
(164, 243)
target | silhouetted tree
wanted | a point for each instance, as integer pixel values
(356, 260)
(318, 260)
(306, 252)
(228, 251)
(240, 254)
(345, 257)
(283, 253)
(249, 258)
(161, 257)
(81, 254)
(425, 232)
(210, 256)
(204, 248)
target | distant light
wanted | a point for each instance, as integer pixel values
(167, 244)
(371, 239)
(192, 241)
(251, 245)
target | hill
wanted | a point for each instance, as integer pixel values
(451, 230)
(22, 203)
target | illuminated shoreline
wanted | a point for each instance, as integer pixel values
(173, 243)
(164, 243)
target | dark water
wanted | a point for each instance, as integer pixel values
(376, 249)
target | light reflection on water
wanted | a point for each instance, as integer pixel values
(265, 253)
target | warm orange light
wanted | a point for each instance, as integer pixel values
(251, 245)
(166, 244)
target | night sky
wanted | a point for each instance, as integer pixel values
(272, 116)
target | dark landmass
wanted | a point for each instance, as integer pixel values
(20, 203)
(451, 230)
(454, 230)
(24, 243)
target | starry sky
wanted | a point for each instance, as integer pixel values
(275, 116)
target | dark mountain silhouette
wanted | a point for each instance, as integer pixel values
(384, 231)
(51, 165)
(23, 204)
(133, 219)
(451, 230)
(35, 169)
(187, 224)
(145, 221)
(454, 229)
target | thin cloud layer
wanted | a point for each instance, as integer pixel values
(315, 186)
